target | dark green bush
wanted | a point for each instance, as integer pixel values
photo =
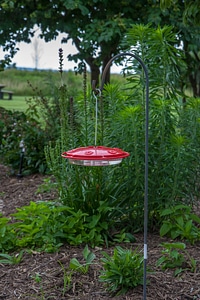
(15, 127)
(122, 271)
(173, 139)
(48, 225)
(7, 235)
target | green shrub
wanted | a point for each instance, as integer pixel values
(179, 222)
(11, 259)
(175, 256)
(122, 271)
(16, 126)
(88, 256)
(46, 226)
(7, 235)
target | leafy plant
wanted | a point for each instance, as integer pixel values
(7, 235)
(37, 277)
(123, 236)
(122, 271)
(179, 221)
(16, 126)
(82, 267)
(36, 226)
(11, 259)
(172, 258)
(47, 225)
(48, 185)
(172, 155)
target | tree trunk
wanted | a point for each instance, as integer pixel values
(95, 72)
(193, 70)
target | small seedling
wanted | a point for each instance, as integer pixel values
(176, 256)
(83, 268)
(67, 278)
(11, 259)
(47, 186)
(37, 277)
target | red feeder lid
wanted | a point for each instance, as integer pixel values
(95, 155)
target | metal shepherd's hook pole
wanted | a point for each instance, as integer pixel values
(146, 151)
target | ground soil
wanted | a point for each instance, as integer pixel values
(40, 275)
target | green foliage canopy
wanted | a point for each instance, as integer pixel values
(97, 28)
(184, 17)
(191, 12)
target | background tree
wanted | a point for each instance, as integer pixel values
(97, 28)
(184, 17)
(191, 13)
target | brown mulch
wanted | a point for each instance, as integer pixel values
(41, 275)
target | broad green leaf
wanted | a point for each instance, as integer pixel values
(86, 252)
(174, 233)
(90, 258)
(74, 264)
(6, 261)
(166, 212)
(95, 220)
(188, 226)
(178, 271)
(165, 228)
(180, 221)
(174, 245)
(195, 218)
(160, 261)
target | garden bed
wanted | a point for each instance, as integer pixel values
(43, 275)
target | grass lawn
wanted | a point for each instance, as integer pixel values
(17, 103)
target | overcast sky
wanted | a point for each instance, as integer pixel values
(48, 55)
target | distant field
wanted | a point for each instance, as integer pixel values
(17, 103)
(20, 81)
(24, 82)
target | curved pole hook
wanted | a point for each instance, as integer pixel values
(98, 91)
